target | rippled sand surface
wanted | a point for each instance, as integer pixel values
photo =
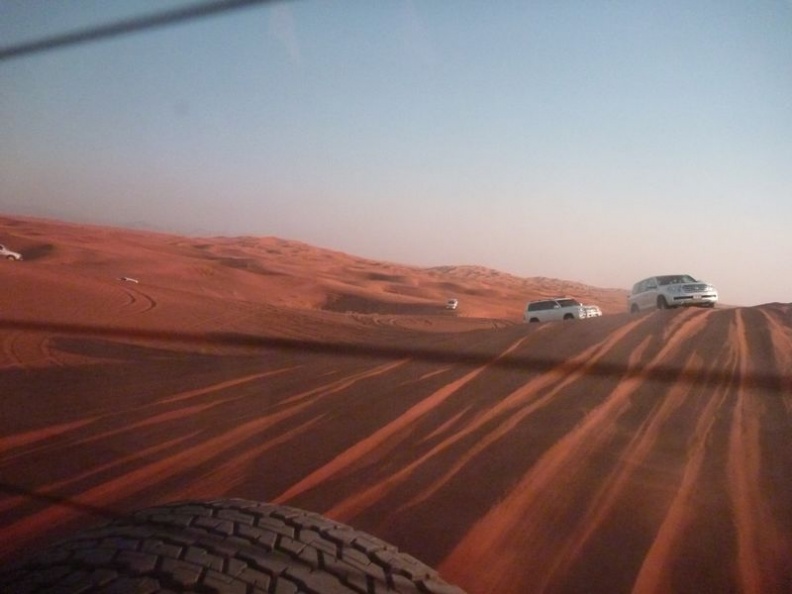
(647, 453)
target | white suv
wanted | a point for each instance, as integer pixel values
(8, 254)
(549, 310)
(671, 290)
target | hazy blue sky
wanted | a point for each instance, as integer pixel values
(595, 141)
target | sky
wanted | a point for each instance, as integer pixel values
(598, 141)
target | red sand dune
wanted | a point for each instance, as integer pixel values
(622, 454)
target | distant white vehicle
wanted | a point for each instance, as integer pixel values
(9, 254)
(550, 310)
(129, 279)
(452, 303)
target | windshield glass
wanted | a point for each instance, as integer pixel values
(675, 279)
(230, 228)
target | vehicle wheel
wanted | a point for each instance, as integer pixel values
(11, 258)
(534, 320)
(662, 303)
(634, 309)
(223, 547)
(569, 317)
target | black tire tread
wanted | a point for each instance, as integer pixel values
(226, 546)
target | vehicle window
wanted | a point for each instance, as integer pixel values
(675, 279)
(541, 305)
(568, 302)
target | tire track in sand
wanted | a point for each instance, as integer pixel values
(136, 295)
(499, 540)
(181, 460)
(11, 358)
(514, 408)
(781, 339)
(656, 571)
(360, 450)
(761, 550)
(24, 350)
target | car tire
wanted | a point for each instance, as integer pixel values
(533, 320)
(224, 546)
(569, 317)
(11, 258)
(634, 309)
(662, 303)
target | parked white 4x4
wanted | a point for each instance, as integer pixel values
(671, 290)
(549, 310)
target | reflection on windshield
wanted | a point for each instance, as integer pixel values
(675, 279)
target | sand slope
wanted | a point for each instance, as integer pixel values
(622, 454)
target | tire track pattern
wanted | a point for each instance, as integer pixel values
(641, 454)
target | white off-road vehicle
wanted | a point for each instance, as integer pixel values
(669, 291)
(559, 308)
(9, 254)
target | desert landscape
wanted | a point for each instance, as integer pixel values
(647, 453)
